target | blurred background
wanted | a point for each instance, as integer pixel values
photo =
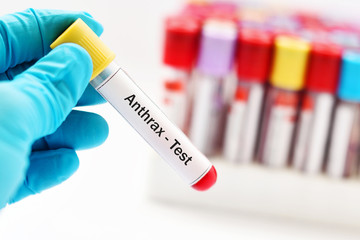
(123, 190)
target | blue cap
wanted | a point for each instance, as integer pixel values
(349, 87)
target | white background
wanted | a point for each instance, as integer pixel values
(106, 198)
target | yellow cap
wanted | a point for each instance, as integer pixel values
(81, 34)
(290, 61)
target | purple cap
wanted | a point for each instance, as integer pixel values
(217, 47)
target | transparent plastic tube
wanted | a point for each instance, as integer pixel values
(345, 140)
(140, 112)
(149, 121)
(206, 128)
(313, 132)
(235, 124)
(243, 123)
(278, 127)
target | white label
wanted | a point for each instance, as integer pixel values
(319, 133)
(252, 117)
(302, 138)
(278, 139)
(313, 132)
(234, 129)
(148, 120)
(242, 125)
(207, 114)
(340, 139)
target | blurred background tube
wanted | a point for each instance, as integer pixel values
(253, 56)
(345, 138)
(317, 107)
(181, 43)
(287, 79)
(214, 64)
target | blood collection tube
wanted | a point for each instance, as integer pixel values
(316, 111)
(215, 60)
(344, 150)
(253, 58)
(180, 51)
(287, 79)
(143, 115)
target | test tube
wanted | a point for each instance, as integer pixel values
(253, 58)
(345, 137)
(182, 36)
(216, 52)
(317, 108)
(143, 115)
(280, 114)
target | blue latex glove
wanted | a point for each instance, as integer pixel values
(39, 132)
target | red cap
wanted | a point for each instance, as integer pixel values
(198, 11)
(323, 68)
(181, 42)
(207, 181)
(309, 20)
(219, 10)
(224, 10)
(253, 55)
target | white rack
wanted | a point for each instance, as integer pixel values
(260, 190)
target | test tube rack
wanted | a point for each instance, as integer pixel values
(253, 189)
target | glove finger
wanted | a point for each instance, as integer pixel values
(26, 36)
(12, 170)
(80, 130)
(47, 169)
(44, 94)
(11, 73)
(14, 150)
(90, 97)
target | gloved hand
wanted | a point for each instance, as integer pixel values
(39, 132)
